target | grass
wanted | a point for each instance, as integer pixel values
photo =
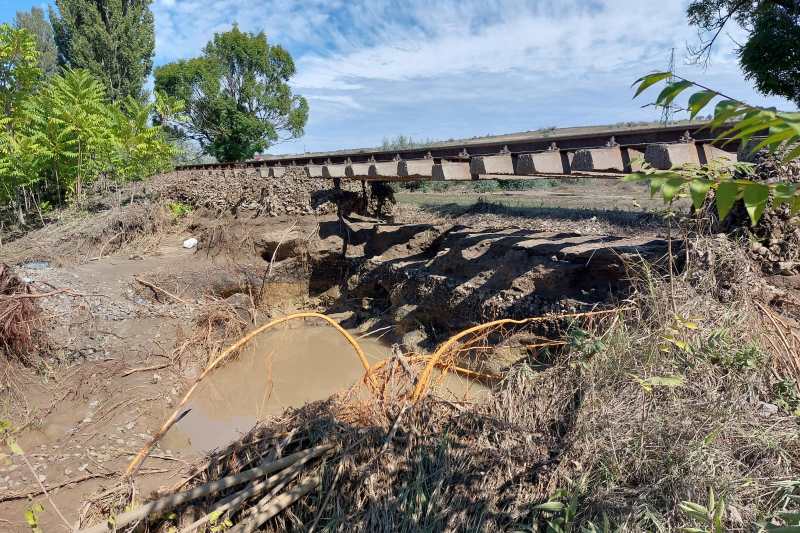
(638, 413)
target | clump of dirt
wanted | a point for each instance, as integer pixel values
(20, 317)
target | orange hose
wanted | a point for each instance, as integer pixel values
(425, 377)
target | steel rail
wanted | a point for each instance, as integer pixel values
(566, 141)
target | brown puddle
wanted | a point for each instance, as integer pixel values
(280, 369)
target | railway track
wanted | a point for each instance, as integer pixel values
(608, 152)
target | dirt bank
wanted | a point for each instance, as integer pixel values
(136, 316)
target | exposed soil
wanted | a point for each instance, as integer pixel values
(139, 316)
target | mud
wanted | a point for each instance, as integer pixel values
(143, 315)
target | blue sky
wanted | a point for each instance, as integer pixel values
(455, 68)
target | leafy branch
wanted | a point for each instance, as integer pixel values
(756, 127)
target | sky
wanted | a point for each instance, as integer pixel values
(441, 69)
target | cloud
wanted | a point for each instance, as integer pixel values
(457, 68)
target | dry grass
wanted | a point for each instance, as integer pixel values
(77, 237)
(588, 421)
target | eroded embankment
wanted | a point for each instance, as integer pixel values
(141, 316)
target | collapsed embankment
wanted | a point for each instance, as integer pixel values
(684, 384)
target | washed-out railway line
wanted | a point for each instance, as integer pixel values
(608, 152)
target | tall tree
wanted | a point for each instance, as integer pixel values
(19, 72)
(770, 56)
(37, 25)
(112, 39)
(237, 96)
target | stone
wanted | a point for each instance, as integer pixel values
(334, 171)
(388, 169)
(451, 170)
(539, 163)
(415, 168)
(491, 164)
(597, 159)
(666, 156)
(713, 153)
(766, 410)
(314, 171)
(357, 170)
(277, 172)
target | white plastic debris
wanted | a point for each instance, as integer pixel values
(190, 243)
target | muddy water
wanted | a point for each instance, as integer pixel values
(280, 369)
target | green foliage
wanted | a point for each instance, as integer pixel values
(67, 134)
(19, 70)
(738, 122)
(786, 396)
(32, 517)
(37, 25)
(179, 209)
(770, 55)
(710, 517)
(238, 100)
(401, 142)
(112, 39)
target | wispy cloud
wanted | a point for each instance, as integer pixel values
(452, 68)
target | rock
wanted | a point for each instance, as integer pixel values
(766, 410)
(190, 243)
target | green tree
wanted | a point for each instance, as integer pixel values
(35, 22)
(19, 70)
(112, 39)
(238, 101)
(770, 56)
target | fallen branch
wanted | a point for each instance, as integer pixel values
(31, 295)
(234, 501)
(277, 504)
(144, 369)
(156, 288)
(170, 502)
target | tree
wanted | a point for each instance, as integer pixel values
(112, 39)
(770, 56)
(19, 70)
(37, 25)
(238, 101)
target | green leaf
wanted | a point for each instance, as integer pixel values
(699, 100)
(671, 188)
(793, 154)
(650, 80)
(671, 91)
(774, 140)
(13, 446)
(666, 381)
(655, 185)
(550, 506)
(755, 200)
(726, 196)
(698, 189)
(635, 176)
